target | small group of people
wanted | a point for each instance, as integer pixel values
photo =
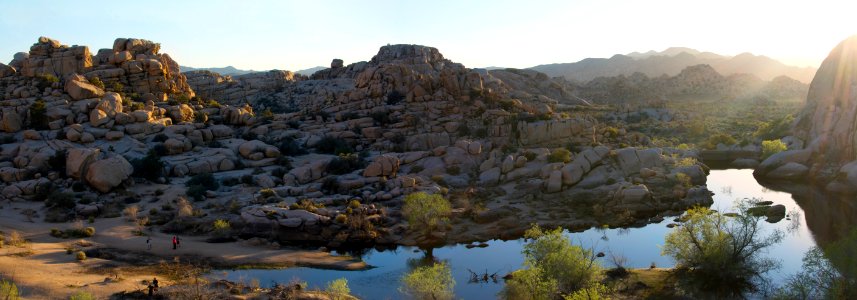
(177, 242)
(153, 287)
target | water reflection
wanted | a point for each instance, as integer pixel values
(813, 216)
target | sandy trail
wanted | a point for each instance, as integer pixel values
(50, 273)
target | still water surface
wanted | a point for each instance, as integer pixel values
(640, 245)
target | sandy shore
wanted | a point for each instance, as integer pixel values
(49, 273)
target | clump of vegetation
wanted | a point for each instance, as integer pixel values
(720, 255)
(395, 97)
(338, 289)
(149, 167)
(80, 255)
(426, 213)
(38, 115)
(97, 82)
(332, 145)
(772, 147)
(221, 228)
(199, 184)
(306, 204)
(453, 170)
(554, 267)
(827, 273)
(429, 282)
(345, 163)
(290, 147)
(560, 155)
(8, 290)
(720, 138)
(81, 295)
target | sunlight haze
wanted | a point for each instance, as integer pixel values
(296, 35)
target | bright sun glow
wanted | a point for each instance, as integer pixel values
(296, 35)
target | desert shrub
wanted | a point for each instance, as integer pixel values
(463, 129)
(199, 184)
(160, 138)
(332, 145)
(338, 289)
(775, 129)
(344, 164)
(81, 295)
(395, 97)
(221, 227)
(453, 170)
(560, 155)
(200, 117)
(720, 255)
(306, 204)
(57, 162)
(97, 82)
(596, 291)
(354, 204)
(720, 138)
(14, 239)
(772, 147)
(684, 161)
(341, 218)
(131, 212)
(38, 115)
(137, 106)
(530, 156)
(554, 266)
(330, 184)
(8, 290)
(117, 87)
(80, 255)
(59, 199)
(425, 212)
(149, 167)
(429, 282)
(290, 147)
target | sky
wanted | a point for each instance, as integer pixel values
(295, 35)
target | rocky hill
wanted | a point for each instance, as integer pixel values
(699, 80)
(228, 70)
(671, 62)
(326, 158)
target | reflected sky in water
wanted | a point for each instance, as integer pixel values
(641, 246)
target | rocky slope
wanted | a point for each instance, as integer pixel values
(288, 154)
(827, 125)
(671, 62)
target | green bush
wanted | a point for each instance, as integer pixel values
(772, 147)
(720, 138)
(81, 295)
(429, 282)
(80, 255)
(426, 212)
(38, 115)
(201, 183)
(221, 227)
(331, 145)
(718, 255)
(149, 167)
(345, 163)
(338, 289)
(8, 290)
(560, 155)
(97, 82)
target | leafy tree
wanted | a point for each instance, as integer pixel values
(338, 289)
(426, 212)
(720, 255)
(150, 167)
(554, 266)
(433, 282)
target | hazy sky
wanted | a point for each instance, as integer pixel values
(294, 35)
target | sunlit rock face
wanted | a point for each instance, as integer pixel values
(828, 122)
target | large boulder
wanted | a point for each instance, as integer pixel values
(108, 173)
(78, 88)
(384, 165)
(78, 159)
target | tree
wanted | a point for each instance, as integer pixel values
(554, 267)
(426, 212)
(433, 282)
(719, 255)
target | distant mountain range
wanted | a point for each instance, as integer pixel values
(232, 71)
(671, 62)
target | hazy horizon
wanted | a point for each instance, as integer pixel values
(264, 35)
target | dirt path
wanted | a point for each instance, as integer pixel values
(49, 273)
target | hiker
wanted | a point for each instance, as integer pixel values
(179, 242)
(175, 242)
(151, 291)
(155, 283)
(148, 243)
